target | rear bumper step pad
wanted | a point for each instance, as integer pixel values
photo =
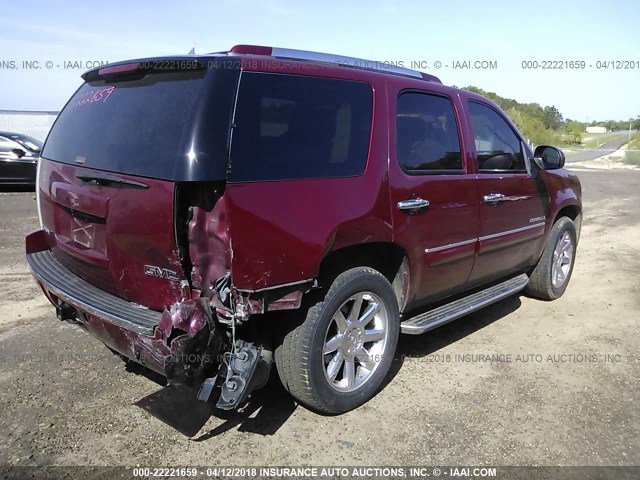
(80, 294)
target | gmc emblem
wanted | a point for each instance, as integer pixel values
(154, 271)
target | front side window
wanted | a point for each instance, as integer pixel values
(293, 127)
(497, 146)
(427, 138)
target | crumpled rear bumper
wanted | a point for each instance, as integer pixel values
(183, 342)
(154, 339)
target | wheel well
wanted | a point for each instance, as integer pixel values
(574, 213)
(387, 258)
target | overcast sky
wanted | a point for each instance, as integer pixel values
(507, 33)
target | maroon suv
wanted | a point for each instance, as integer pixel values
(186, 203)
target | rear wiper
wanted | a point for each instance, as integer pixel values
(109, 180)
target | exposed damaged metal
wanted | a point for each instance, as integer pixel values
(242, 370)
(204, 342)
(195, 341)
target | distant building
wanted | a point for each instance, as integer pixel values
(596, 129)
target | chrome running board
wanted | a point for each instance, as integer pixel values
(451, 311)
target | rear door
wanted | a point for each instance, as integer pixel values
(512, 202)
(107, 182)
(433, 197)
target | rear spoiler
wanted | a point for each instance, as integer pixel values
(142, 66)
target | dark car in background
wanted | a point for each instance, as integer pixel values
(18, 158)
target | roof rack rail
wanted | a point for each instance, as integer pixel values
(339, 60)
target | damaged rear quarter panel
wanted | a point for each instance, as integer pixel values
(271, 233)
(281, 230)
(209, 245)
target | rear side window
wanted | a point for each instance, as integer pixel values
(497, 146)
(427, 139)
(133, 127)
(293, 127)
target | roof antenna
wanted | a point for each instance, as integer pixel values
(193, 49)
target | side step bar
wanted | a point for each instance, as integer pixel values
(434, 318)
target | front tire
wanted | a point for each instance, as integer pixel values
(551, 276)
(337, 359)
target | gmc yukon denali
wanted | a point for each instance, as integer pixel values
(209, 215)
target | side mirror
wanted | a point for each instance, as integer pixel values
(19, 152)
(548, 158)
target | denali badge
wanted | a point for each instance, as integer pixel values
(154, 271)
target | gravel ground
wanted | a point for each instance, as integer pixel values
(566, 397)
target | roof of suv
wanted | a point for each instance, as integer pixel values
(340, 60)
(375, 67)
(278, 53)
(243, 51)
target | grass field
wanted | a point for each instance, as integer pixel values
(595, 142)
(632, 155)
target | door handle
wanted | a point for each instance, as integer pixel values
(413, 204)
(494, 198)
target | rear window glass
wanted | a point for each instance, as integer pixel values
(133, 127)
(293, 127)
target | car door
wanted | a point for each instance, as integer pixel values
(433, 196)
(512, 204)
(9, 165)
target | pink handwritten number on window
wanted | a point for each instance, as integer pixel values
(94, 96)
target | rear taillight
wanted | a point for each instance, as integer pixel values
(144, 67)
(251, 50)
(125, 68)
(38, 173)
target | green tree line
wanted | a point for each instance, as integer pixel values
(546, 125)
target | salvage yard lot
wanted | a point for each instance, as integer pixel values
(520, 382)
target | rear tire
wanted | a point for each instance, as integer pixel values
(551, 276)
(338, 357)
